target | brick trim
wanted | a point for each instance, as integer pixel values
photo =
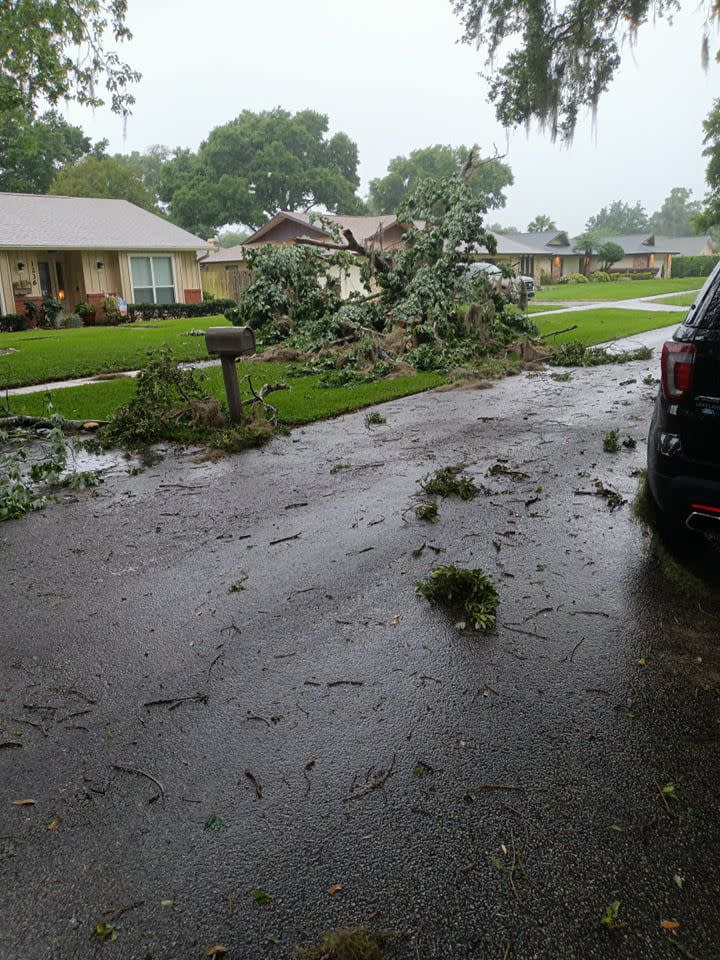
(192, 296)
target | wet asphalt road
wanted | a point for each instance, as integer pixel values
(525, 765)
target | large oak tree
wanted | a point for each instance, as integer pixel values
(53, 50)
(260, 163)
(438, 162)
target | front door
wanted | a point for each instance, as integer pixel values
(556, 268)
(45, 278)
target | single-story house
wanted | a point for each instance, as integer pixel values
(223, 273)
(550, 253)
(81, 249)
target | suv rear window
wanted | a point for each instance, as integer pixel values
(706, 312)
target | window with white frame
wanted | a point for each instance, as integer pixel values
(527, 266)
(152, 279)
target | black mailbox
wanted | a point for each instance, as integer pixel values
(229, 343)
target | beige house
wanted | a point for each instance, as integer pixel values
(80, 249)
(551, 254)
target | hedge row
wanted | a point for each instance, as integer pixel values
(693, 266)
(13, 322)
(176, 311)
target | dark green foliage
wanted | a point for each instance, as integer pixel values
(177, 311)
(449, 482)
(13, 322)
(292, 285)
(357, 943)
(694, 266)
(163, 390)
(171, 403)
(630, 443)
(227, 180)
(427, 511)
(437, 162)
(32, 150)
(610, 253)
(467, 593)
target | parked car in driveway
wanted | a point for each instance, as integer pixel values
(684, 440)
(495, 275)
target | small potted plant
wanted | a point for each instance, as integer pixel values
(112, 310)
(51, 311)
(87, 312)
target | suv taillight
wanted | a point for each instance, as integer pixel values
(678, 361)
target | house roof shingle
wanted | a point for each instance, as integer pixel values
(29, 222)
(363, 227)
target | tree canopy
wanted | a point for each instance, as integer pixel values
(710, 216)
(618, 218)
(53, 50)
(609, 253)
(33, 150)
(249, 169)
(548, 60)
(541, 222)
(103, 177)
(438, 162)
(678, 214)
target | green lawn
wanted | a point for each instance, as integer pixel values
(44, 355)
(302, 403)
(681, 300)
(617, 289)
(599, 326)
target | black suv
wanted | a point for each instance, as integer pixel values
(684, 441)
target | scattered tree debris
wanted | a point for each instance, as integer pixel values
(429, 512)
(502, 470)
(172, 703)
(377, 780)
(611, 442)
(449, 482)
(141, 773)
(468, 593)
(256, 783)
(374, 418)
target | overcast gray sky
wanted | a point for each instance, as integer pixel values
(391, 74)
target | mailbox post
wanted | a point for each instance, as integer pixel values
(229, 343)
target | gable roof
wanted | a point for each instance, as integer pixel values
(30, 222)
(363, 227)
(224, 255)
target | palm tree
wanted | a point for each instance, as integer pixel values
(540, 223)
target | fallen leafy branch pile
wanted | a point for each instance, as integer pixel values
(23, 490)
(466, 593)
(171, 403)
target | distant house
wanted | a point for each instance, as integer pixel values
(80, 249)
(223, 271)
(550, 253)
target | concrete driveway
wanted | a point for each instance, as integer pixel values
(217, 679)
